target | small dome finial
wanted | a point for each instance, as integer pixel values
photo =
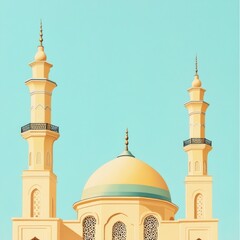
(126, 140)
(196, 66)
(40, 55)
(41, 33)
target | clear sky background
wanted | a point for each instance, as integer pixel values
(122, 64)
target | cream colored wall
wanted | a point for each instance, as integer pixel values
(41, 92)
(203, 229)
(43, 229)
(130, 210)
(45, 182)
(167, 230)
(194, 186)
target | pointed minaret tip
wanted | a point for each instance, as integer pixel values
(196, 66)
(196, 82)
(41, 34)
(126, 140)
(40, 55)
(126, 152)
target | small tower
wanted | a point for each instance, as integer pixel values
(39, 181)
(198, 183)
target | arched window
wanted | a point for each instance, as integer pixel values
(35, 203)
(197, 167)
(198, 205)
(151, 228)
(34, 238)
(89, 230)
(119, 231)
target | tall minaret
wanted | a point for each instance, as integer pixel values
(198, 183)
(39, 181)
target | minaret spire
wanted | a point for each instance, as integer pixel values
(196, 66)
(41, 34)
(126, 152)
(196, 81)
(126, 140)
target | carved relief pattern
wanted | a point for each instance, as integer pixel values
(150, 228)
(89, 231)
(119, 231)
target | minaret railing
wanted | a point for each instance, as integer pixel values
(40, 126)
(197, 141)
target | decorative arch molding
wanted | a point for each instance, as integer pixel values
(34, 187)
(94, 214)
(199, 190)
(119, 215)
(114, 218)
(149, 213)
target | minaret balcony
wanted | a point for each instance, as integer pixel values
(40, 126)
(197, 141)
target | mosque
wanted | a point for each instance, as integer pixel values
(117, 202)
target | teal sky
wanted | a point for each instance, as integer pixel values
(122, 64)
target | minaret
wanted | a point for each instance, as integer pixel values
(39, 181)
(198, 183)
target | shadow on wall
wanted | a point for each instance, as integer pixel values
(69, 234)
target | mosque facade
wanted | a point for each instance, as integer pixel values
(126, 207)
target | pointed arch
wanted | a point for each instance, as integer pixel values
(89, 228)
(35, 238)
(35, 203)
(198, 206)
(119, 231)
(151, 225)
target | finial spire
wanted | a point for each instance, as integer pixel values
(196, 65)
(41, 33)
(126, 140)
(126, 152)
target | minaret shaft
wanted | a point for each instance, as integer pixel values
(198, 183)
(39, 181)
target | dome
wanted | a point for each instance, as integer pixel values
(126, 176)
